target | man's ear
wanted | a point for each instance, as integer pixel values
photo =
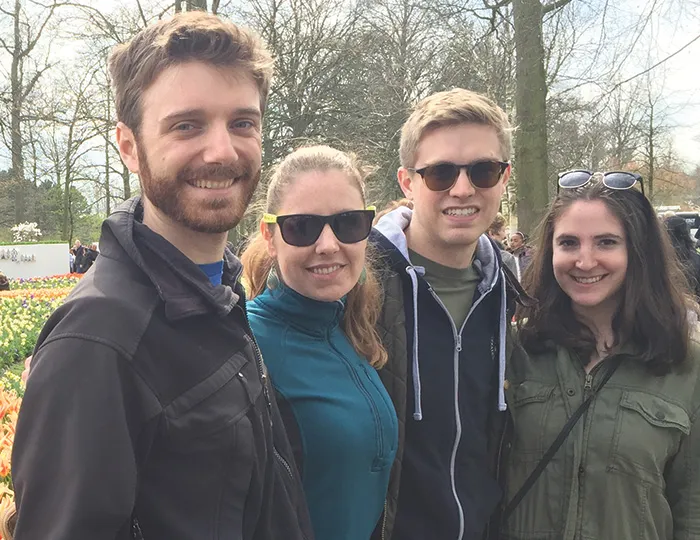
(506, 174)
(128, 149)
(266, 233)
(405, 179)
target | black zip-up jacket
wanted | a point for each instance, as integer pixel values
(147, 412)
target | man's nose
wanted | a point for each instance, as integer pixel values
(463, 186)
(220, 146)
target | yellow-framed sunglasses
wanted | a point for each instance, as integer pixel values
(302, 230)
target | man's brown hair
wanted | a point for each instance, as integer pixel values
(191, 36)
(450, 108)
(497, 224)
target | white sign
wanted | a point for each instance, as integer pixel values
(34, 260)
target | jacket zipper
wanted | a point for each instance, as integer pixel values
(259, 363)
(379, 434)
(136, 533)
(457, 337)
(283, 462)
(258, 355)
(384, 521)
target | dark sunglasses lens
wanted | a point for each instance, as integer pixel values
(485, 174)
(619, 180)
(352, 227)
(574, 179)
(440, 177)
(301, 231)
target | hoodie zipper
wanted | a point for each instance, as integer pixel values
(458, 418)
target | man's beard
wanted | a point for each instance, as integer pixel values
(213, 216)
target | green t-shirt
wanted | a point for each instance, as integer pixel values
(454, 286)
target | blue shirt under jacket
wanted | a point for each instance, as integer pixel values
(339, 418)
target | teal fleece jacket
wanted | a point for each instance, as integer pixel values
(339, 418)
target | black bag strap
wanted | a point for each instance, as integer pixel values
(552, 450)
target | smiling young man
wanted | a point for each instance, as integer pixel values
(445, 321)
(147, 412)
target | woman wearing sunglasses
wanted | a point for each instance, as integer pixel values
(315, 302)
(604, 392)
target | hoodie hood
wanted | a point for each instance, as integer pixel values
(180, 283)
(392, 227)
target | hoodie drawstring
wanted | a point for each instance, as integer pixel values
(413, 272)
(503, 321)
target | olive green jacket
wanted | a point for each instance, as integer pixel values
(629, 469)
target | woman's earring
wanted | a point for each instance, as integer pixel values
(363, 276)
(273, 282)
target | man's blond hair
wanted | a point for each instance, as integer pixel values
(186, 37)
(449, 108)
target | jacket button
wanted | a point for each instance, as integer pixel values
(660, 415)
(570, 392)
(581, 471)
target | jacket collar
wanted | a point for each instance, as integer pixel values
(183, 287)
(310, 316)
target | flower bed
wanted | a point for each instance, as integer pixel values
(23, 311)
(11, 391)
(51, 282)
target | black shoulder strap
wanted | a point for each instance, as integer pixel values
(552, 450)
(514, 288)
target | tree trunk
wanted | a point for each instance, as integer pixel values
(178, 6)
(200, 5)
(16, 120)
(126, 179)
(107, 133)
(650, 153)
(530, 103)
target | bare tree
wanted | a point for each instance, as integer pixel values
(70, 139)
(25, 73)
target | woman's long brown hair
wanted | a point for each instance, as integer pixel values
(653, 310)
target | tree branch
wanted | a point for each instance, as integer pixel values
(548, 8)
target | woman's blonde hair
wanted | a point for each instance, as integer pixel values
(364, 301)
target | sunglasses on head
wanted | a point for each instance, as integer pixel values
(302, 230)
(613, 179)
(443, 176)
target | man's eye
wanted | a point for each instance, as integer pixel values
(184, 126)
(244, 124)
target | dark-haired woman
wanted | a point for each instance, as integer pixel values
(611, 304)
(684, 245)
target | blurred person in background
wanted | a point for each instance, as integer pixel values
(517, 244)
(4, 282)
(684, 246)
(497, 233)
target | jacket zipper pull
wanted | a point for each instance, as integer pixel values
(458, 347)
(266, 393)
(589, 382)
